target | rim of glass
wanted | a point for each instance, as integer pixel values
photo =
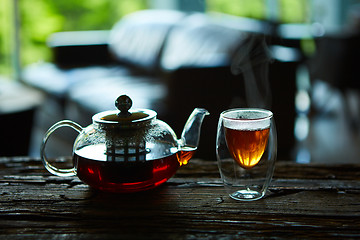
(268, 113)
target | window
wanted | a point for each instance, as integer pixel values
(260, 9)
(40, 18)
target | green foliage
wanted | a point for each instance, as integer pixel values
(40, 18)
(94, 14)
(5, 37)
(290, 11)
(244, 8)
(293, 11)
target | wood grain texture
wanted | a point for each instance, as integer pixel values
(304, 202)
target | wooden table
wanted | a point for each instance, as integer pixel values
(305, 201)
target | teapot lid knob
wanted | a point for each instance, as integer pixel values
(123, 103)
(126, 118)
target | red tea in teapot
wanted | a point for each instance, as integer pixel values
(119, 174)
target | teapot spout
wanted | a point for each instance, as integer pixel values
(191, 133)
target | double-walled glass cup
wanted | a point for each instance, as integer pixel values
(246, 148)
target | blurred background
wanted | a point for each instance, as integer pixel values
(56, 57)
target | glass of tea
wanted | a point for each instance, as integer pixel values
(246, 148)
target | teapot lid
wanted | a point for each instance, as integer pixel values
(126, 118)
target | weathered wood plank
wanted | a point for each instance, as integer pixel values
(304, 201)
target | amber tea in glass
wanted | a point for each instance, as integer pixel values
(246, 151)
(246, 146)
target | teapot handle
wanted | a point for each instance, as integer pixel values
(48, 166)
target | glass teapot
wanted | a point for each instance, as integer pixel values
(127, 150)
